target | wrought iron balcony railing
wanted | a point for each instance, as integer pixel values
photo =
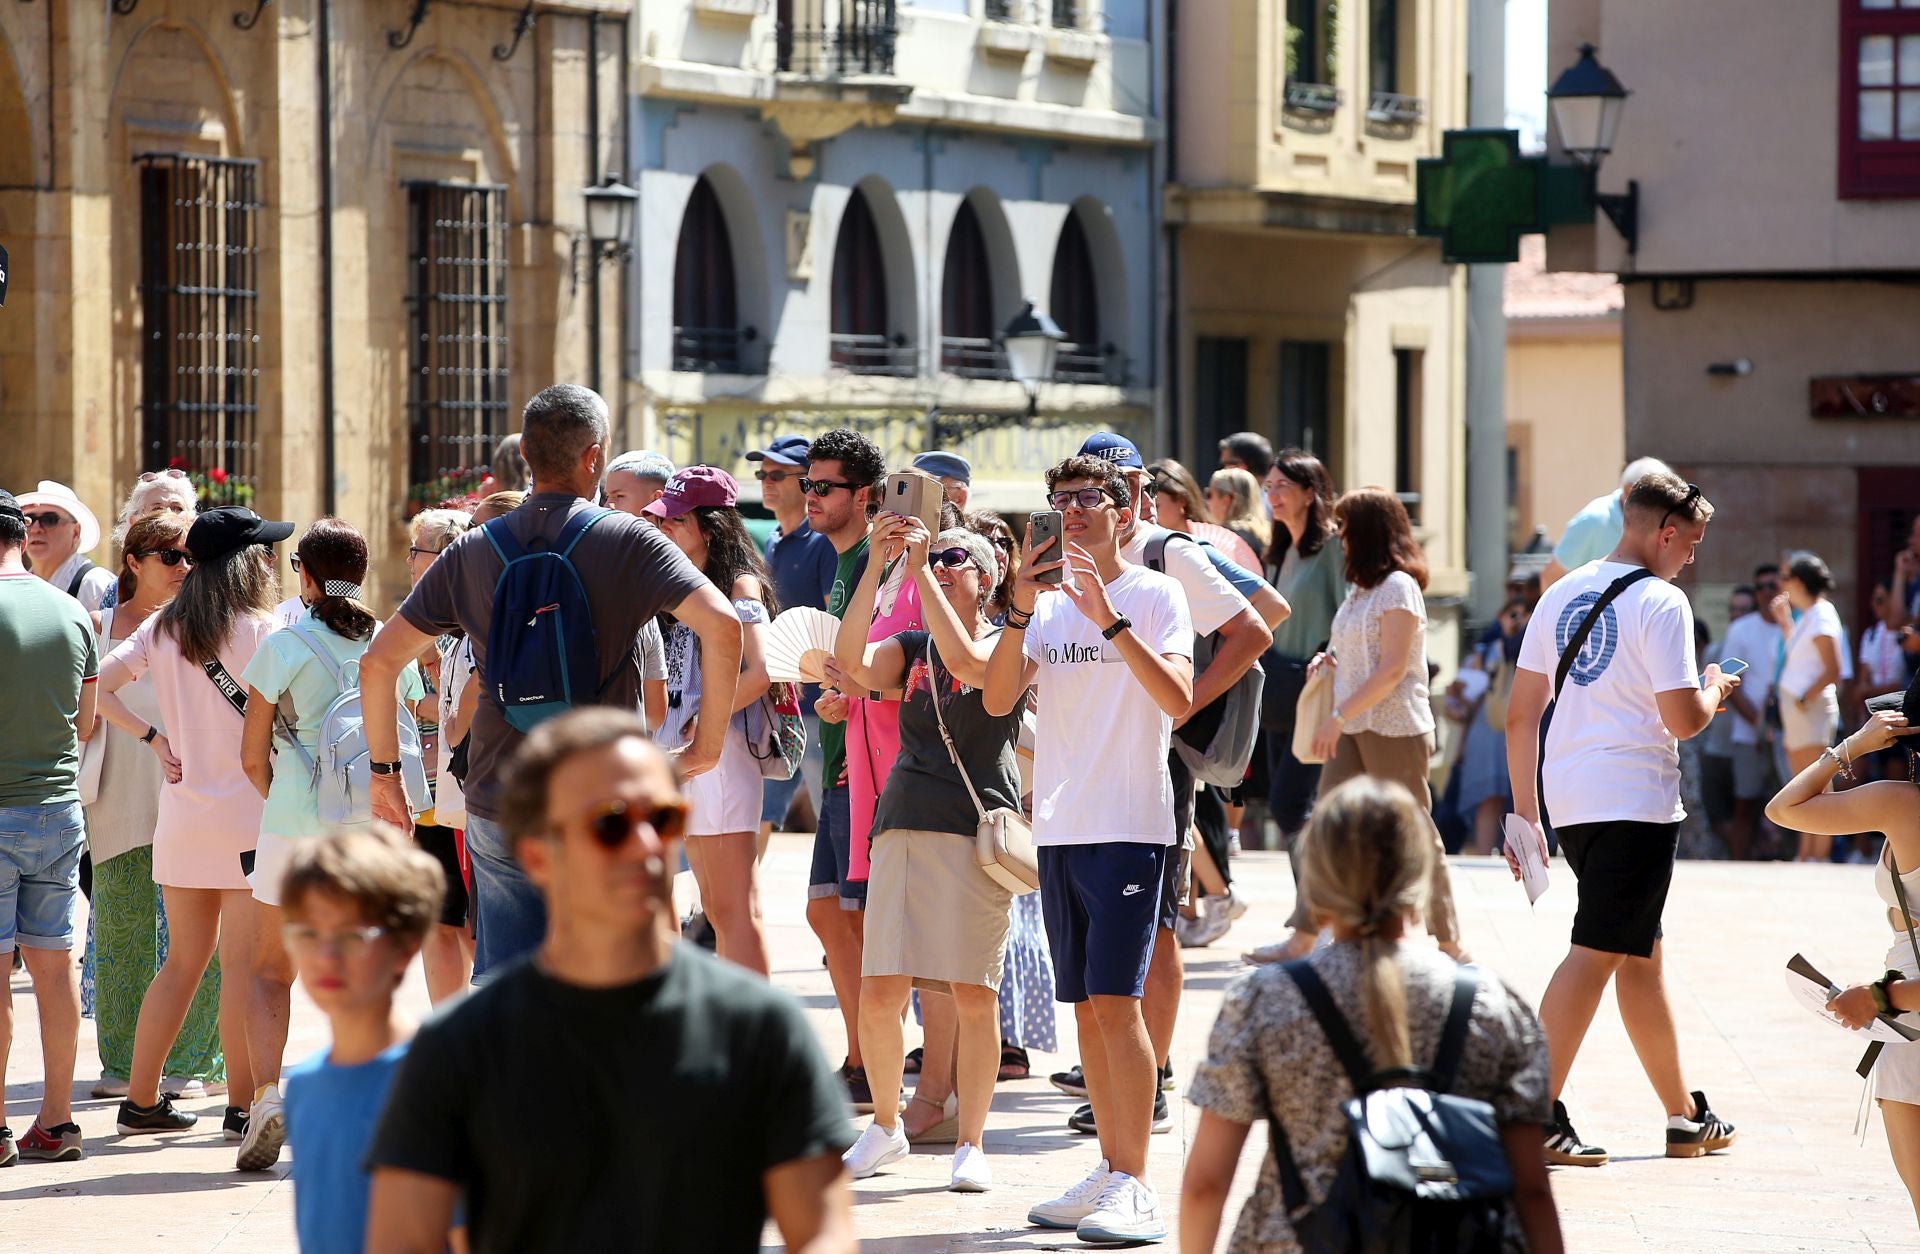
(835, 38)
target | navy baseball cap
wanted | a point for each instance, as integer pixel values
(1117, 449)
(786, 450)
(945, 466)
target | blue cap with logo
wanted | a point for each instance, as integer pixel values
(1117, 449)
(945, 466)
(786, 450)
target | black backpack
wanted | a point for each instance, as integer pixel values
(1424, 1170)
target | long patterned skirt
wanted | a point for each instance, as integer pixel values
(126, 943)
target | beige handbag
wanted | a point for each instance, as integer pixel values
(1003, 841)
(1314, 708)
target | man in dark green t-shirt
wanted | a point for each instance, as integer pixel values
(689, 1099)
(50, 661)
(843, 469)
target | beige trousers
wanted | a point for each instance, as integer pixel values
(1402, 759)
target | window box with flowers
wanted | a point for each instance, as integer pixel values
(214, 486)
(456, 489)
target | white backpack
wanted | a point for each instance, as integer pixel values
(341, 776)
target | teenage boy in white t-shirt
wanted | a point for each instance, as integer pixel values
(1611, 781)
(1111, 652)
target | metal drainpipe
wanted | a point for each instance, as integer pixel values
(1170, 370)
(324, 61)
(593, 177)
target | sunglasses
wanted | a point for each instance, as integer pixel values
(413, 550)
(777, 476)
(825, 487)
(1003, 543)
(1684, 507)
(148, 476)
(51, 519)
(613, 824)
(953, 558)
(348, 943)
(295, 559)
(1085, 498)
(168, 557)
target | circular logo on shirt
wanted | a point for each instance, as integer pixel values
(1597, 653)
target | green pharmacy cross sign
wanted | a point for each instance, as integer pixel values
(1480, 196)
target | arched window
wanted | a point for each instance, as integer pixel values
(966, 302)
(706, 315)
(859, 320)
(1075, 302)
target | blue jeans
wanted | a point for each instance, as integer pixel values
(509, 917)
(39, 874)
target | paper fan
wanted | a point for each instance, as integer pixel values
(1227, 542)
(798, 643)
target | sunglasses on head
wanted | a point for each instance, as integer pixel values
(51, 519)
(953, 559)
(613, 824)
(1685, 505)
(825, 487)
(775, 476)
(1085, 498)
(168, 557)
(148, 476)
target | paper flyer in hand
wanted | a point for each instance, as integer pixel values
(1814, 990)
(1530, 852)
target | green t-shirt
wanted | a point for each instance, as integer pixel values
(47, 651)
(846, 577)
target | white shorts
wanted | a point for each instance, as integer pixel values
(270, 859)
(1896, 1075)
(1810, 726)
(727, 798)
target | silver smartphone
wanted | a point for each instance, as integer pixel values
(1044, 525)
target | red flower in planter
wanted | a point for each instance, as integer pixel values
(218, 474)
(176, 463)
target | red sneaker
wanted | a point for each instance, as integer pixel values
(59, 1144)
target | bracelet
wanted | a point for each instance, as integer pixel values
(1018, 618)
(1844, 769)
(152, 731)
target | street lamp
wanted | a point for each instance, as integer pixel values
(610, 216)
(1586, 101)
(1031, 340)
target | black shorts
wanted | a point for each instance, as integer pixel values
(443, 844)
(1624, 869)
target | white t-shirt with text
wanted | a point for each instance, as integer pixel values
(1610, 757)
(1100, 742)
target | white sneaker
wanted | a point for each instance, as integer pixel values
(971, 1171)
(109, 1086)
(876, 1148)
(189, 1089)
(266, 1131)
(1230, 907)
(1067, 1210)
(1126, 1211)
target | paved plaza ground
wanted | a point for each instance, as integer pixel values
(1798, 1179)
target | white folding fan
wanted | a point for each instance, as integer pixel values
(798, 643)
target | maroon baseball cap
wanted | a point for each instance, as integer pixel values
(694, 488)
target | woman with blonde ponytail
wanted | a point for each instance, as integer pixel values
(1365, 867)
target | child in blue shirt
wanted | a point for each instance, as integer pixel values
(358, 905)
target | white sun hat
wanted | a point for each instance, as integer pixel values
(62, 497)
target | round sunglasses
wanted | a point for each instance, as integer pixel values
(953, 559)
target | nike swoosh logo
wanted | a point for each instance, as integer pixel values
(1131, 889)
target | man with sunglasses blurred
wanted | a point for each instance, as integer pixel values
(699, 1102)
(1110, 647)
(61, 531)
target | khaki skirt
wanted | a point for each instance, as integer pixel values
(932, 913)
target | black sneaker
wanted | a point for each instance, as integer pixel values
(1564, 1146)
(1072, 1081)
(1166, 1077)
(858, 1093)
(1082, 1119)
(9, 1152)
(160, 1117)
(1706, 1132)
(234, 1126)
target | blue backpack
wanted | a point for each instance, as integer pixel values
(541, 658)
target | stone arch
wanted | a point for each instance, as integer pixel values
(1003, 263)
(896, 251)
(1109, 267)
(417, 98)
(744, 234)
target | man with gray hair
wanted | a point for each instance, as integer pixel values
(630, 572)
(1592, 533)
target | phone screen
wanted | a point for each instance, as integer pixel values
(1732, 666)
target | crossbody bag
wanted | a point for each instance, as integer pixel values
(1577, 642)
(1003, 840)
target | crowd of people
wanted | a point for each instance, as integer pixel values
(1030, 758)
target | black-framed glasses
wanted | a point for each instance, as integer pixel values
(613, 823)
(1085, 498)
(1685, 506)
(953, 559)
(413, 550)
(777, 476)
(50, 519)
(825, 487)
(296, 563)
(168, 557)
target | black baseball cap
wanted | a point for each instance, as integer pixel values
(220, 531)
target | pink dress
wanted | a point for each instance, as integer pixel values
(873, 730)
(212, 815)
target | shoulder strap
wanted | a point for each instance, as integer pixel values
(86, 568)
(229, 687)
(500, 535)
(326, 657)
(1332, 1022)
(1579, 639)
(1900, 895)
(1453, 1037)
(576, 527)
(1293, 1190)
(933, 695)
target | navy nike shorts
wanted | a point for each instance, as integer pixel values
(1101, 904)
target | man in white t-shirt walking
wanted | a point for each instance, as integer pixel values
(1110, 649)
(1611, 789)
(1754, 639)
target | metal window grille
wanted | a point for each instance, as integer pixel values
(457, 328)
(830, 38)
(1066, 13)
(200, 359)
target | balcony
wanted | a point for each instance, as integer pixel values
(816, 39)
(1393, 115)
(716, 350)
(1087, 363)
(1310, 106)
(888, 355)
(973, 358)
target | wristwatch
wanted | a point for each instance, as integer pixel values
(1120, 624)
(152, 731)
(1882, 1002)
(384, 768)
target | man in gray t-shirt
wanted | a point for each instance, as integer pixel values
(630, 571)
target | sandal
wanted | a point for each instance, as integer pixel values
(945, 1132)
(912, 1064)
(1014, 1063)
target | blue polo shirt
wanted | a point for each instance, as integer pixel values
(802, 563)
